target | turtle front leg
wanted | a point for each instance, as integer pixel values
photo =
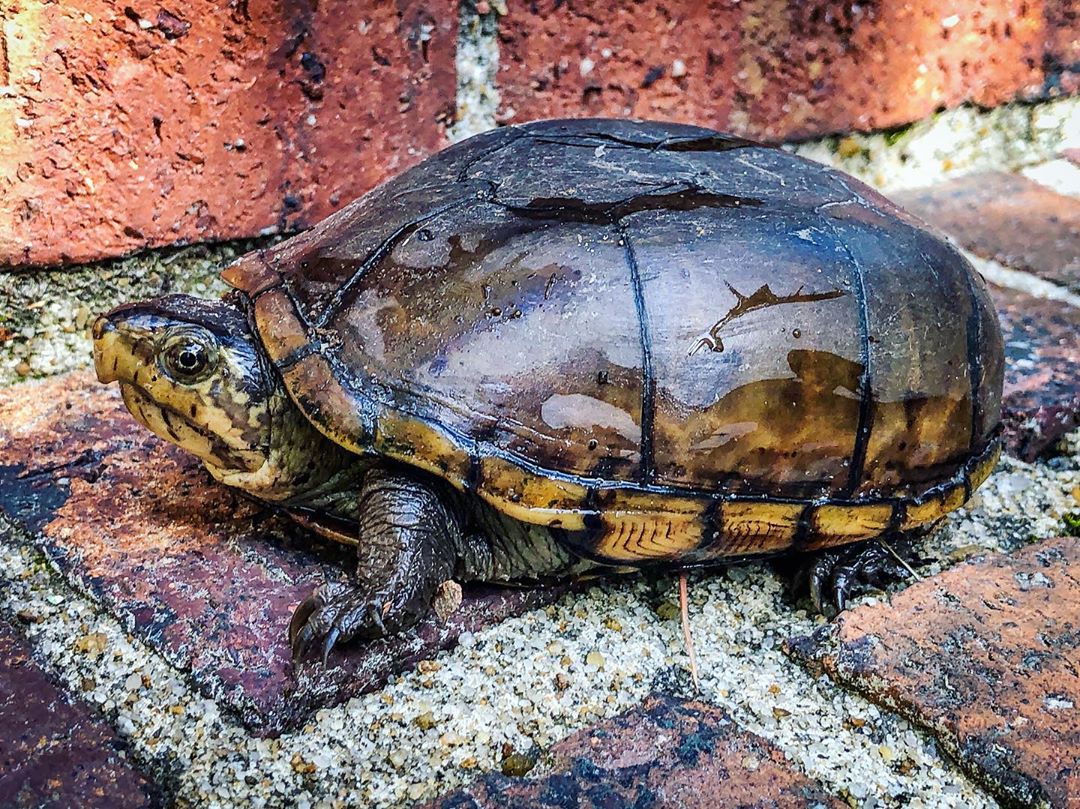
(408, 542)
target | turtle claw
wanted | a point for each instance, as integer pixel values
(334, 613)
(302, 642)
(840, 574)
(328, 644)
(375, 616)
(299, 620)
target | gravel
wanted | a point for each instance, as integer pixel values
(477, 62)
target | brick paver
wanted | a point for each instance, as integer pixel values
(667, 753)
(1008, 218)
(778, 70)
(987, 657)
(1041, 400)
(207, 578)
(54, 752)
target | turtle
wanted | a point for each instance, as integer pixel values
(571, 346)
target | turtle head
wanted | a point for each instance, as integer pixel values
(193, 372)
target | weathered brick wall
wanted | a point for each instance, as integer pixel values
(782, 69)
(135, 124)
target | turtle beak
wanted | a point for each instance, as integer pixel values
(106, 357)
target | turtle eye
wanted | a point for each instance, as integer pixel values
(188, 358)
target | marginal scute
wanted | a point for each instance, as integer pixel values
(250, 274)
(834, 521)
(750, 527)
(949, 496)
(404, 438)
(530, 497)
(319, 394)
(647, 536)
(670, 344)
(982, 466)
(275, 318)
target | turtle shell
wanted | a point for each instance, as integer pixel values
(672, 343)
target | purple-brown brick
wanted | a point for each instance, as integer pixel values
(986, 656)
(54, 751)
(665, 754)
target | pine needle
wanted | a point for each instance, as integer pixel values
(900, 559)
(684, 609)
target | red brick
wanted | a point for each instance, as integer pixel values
(54, 752)
(667, 753)
(986, 656)
(122, 125)
(778, 69)
(1041, 400)
(1007, 218)
(203, 575)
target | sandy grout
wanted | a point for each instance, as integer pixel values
(477, 65)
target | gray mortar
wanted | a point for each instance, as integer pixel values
(477, 62)
(952, 143)
(532, 680)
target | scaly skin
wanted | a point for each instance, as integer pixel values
(232, 411)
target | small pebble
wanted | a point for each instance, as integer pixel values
(425, 721)
(518, 764)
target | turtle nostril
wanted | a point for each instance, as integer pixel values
(101, 326)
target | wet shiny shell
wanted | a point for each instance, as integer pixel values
(672, 343)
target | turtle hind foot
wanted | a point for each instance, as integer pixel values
(839, 574)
